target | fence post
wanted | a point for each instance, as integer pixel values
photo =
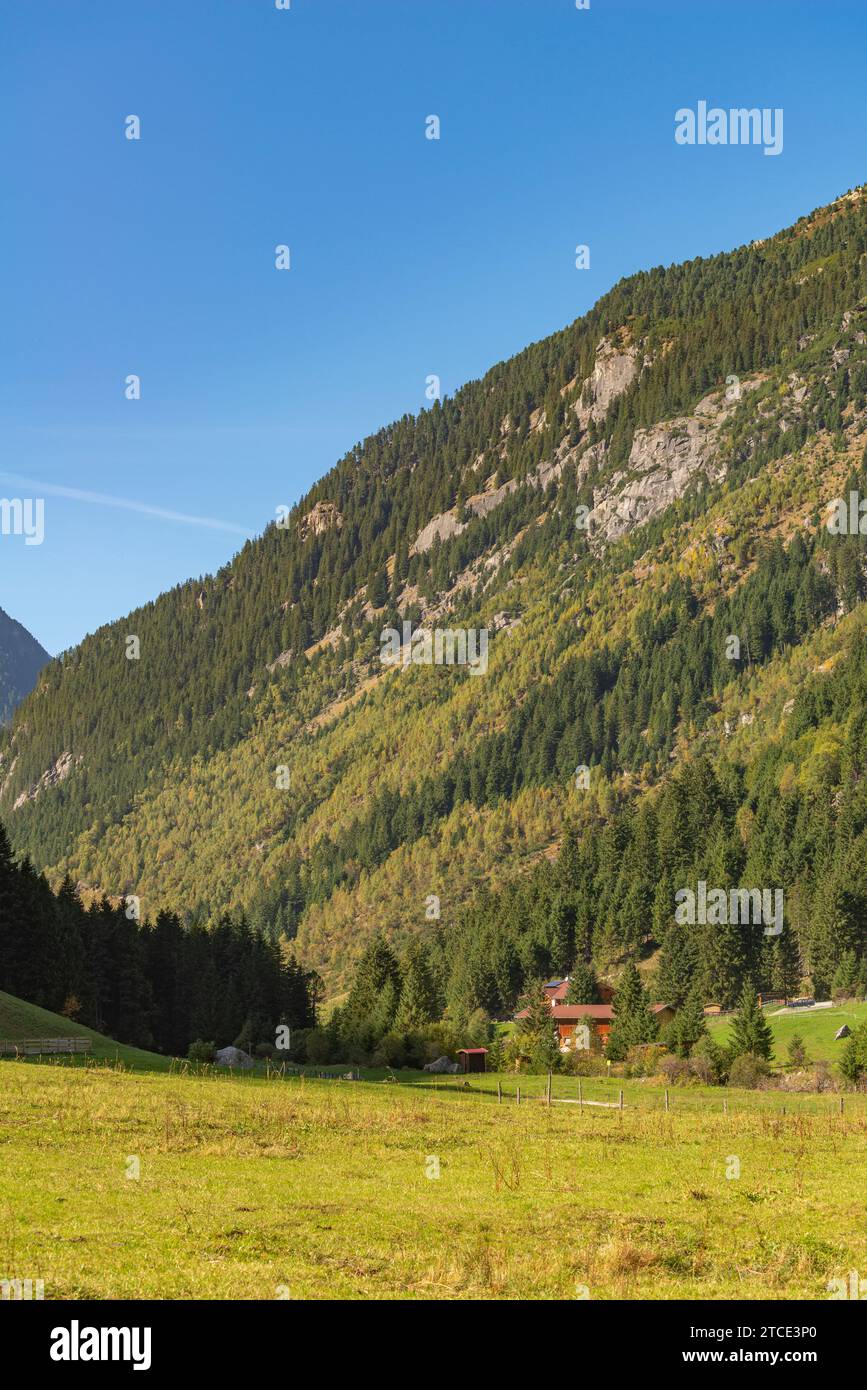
(499, 1092)
(666, 1098)
(518, 1096)
(841, 1105)
(580, 1096)
(621, 1098)
(548, 1091)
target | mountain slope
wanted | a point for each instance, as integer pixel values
(21, 660)
(702, 416)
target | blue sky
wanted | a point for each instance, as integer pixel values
(409, 256)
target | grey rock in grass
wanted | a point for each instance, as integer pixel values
(233, 1057)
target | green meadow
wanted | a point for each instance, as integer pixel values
(119, 1184)
(126, 1174)
(816, 1028)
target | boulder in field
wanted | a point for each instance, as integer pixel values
(442, 1064)
(843, 1032)
(233, 1057)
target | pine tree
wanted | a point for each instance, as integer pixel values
(537, 1037)
(375, 992)
(583, 988)
(750, 1030)
(689, 1024)
(418, 1002)
(677, 966)
(632, 1023)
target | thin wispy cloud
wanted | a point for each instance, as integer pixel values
(103, 499)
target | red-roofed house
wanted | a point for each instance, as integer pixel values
(568, 1017)
(556, 991)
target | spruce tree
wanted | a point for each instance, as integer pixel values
(417, 1005)
(583, 988)
(632, 1023)
(689, 1024)
(750, 1030)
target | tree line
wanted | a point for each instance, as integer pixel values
(157, 985)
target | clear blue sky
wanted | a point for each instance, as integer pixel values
(409, 256)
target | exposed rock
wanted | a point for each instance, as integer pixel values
(614, 370)
(442, 1064)
(321, 517)
(57, 772)
(282, 660)
(666, 457)
(843, 1032)
(440, 527)
(483, 502)
(662, 461)
(233, 1057)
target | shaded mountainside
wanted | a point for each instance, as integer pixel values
(612, 505)
(21, 660)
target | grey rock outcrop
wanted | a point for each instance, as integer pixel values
(442, 1064)
(613, 371)
(233, 1057)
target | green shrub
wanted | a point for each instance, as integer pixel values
(709, 1062)
(853, 1063)
(645, 1059)
(319, 1047)
(676, 1070)
(747, 1071)
(199, 1051)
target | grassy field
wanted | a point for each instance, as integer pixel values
(21, 1020)
(129, 1175)
(815, 1026)
(255, 1188)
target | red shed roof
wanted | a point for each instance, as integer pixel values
(565, 1012)
(471, 1049)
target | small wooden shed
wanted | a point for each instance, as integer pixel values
(473, 1058)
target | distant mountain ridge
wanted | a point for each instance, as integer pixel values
(611, 506)
(21, 660)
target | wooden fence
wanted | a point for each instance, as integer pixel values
(35, 1047)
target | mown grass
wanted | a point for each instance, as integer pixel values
(254, 1188)
(815, 1026)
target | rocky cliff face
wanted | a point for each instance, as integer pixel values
(614, 370)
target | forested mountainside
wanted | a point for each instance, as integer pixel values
(21, 660)
(613, 505)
